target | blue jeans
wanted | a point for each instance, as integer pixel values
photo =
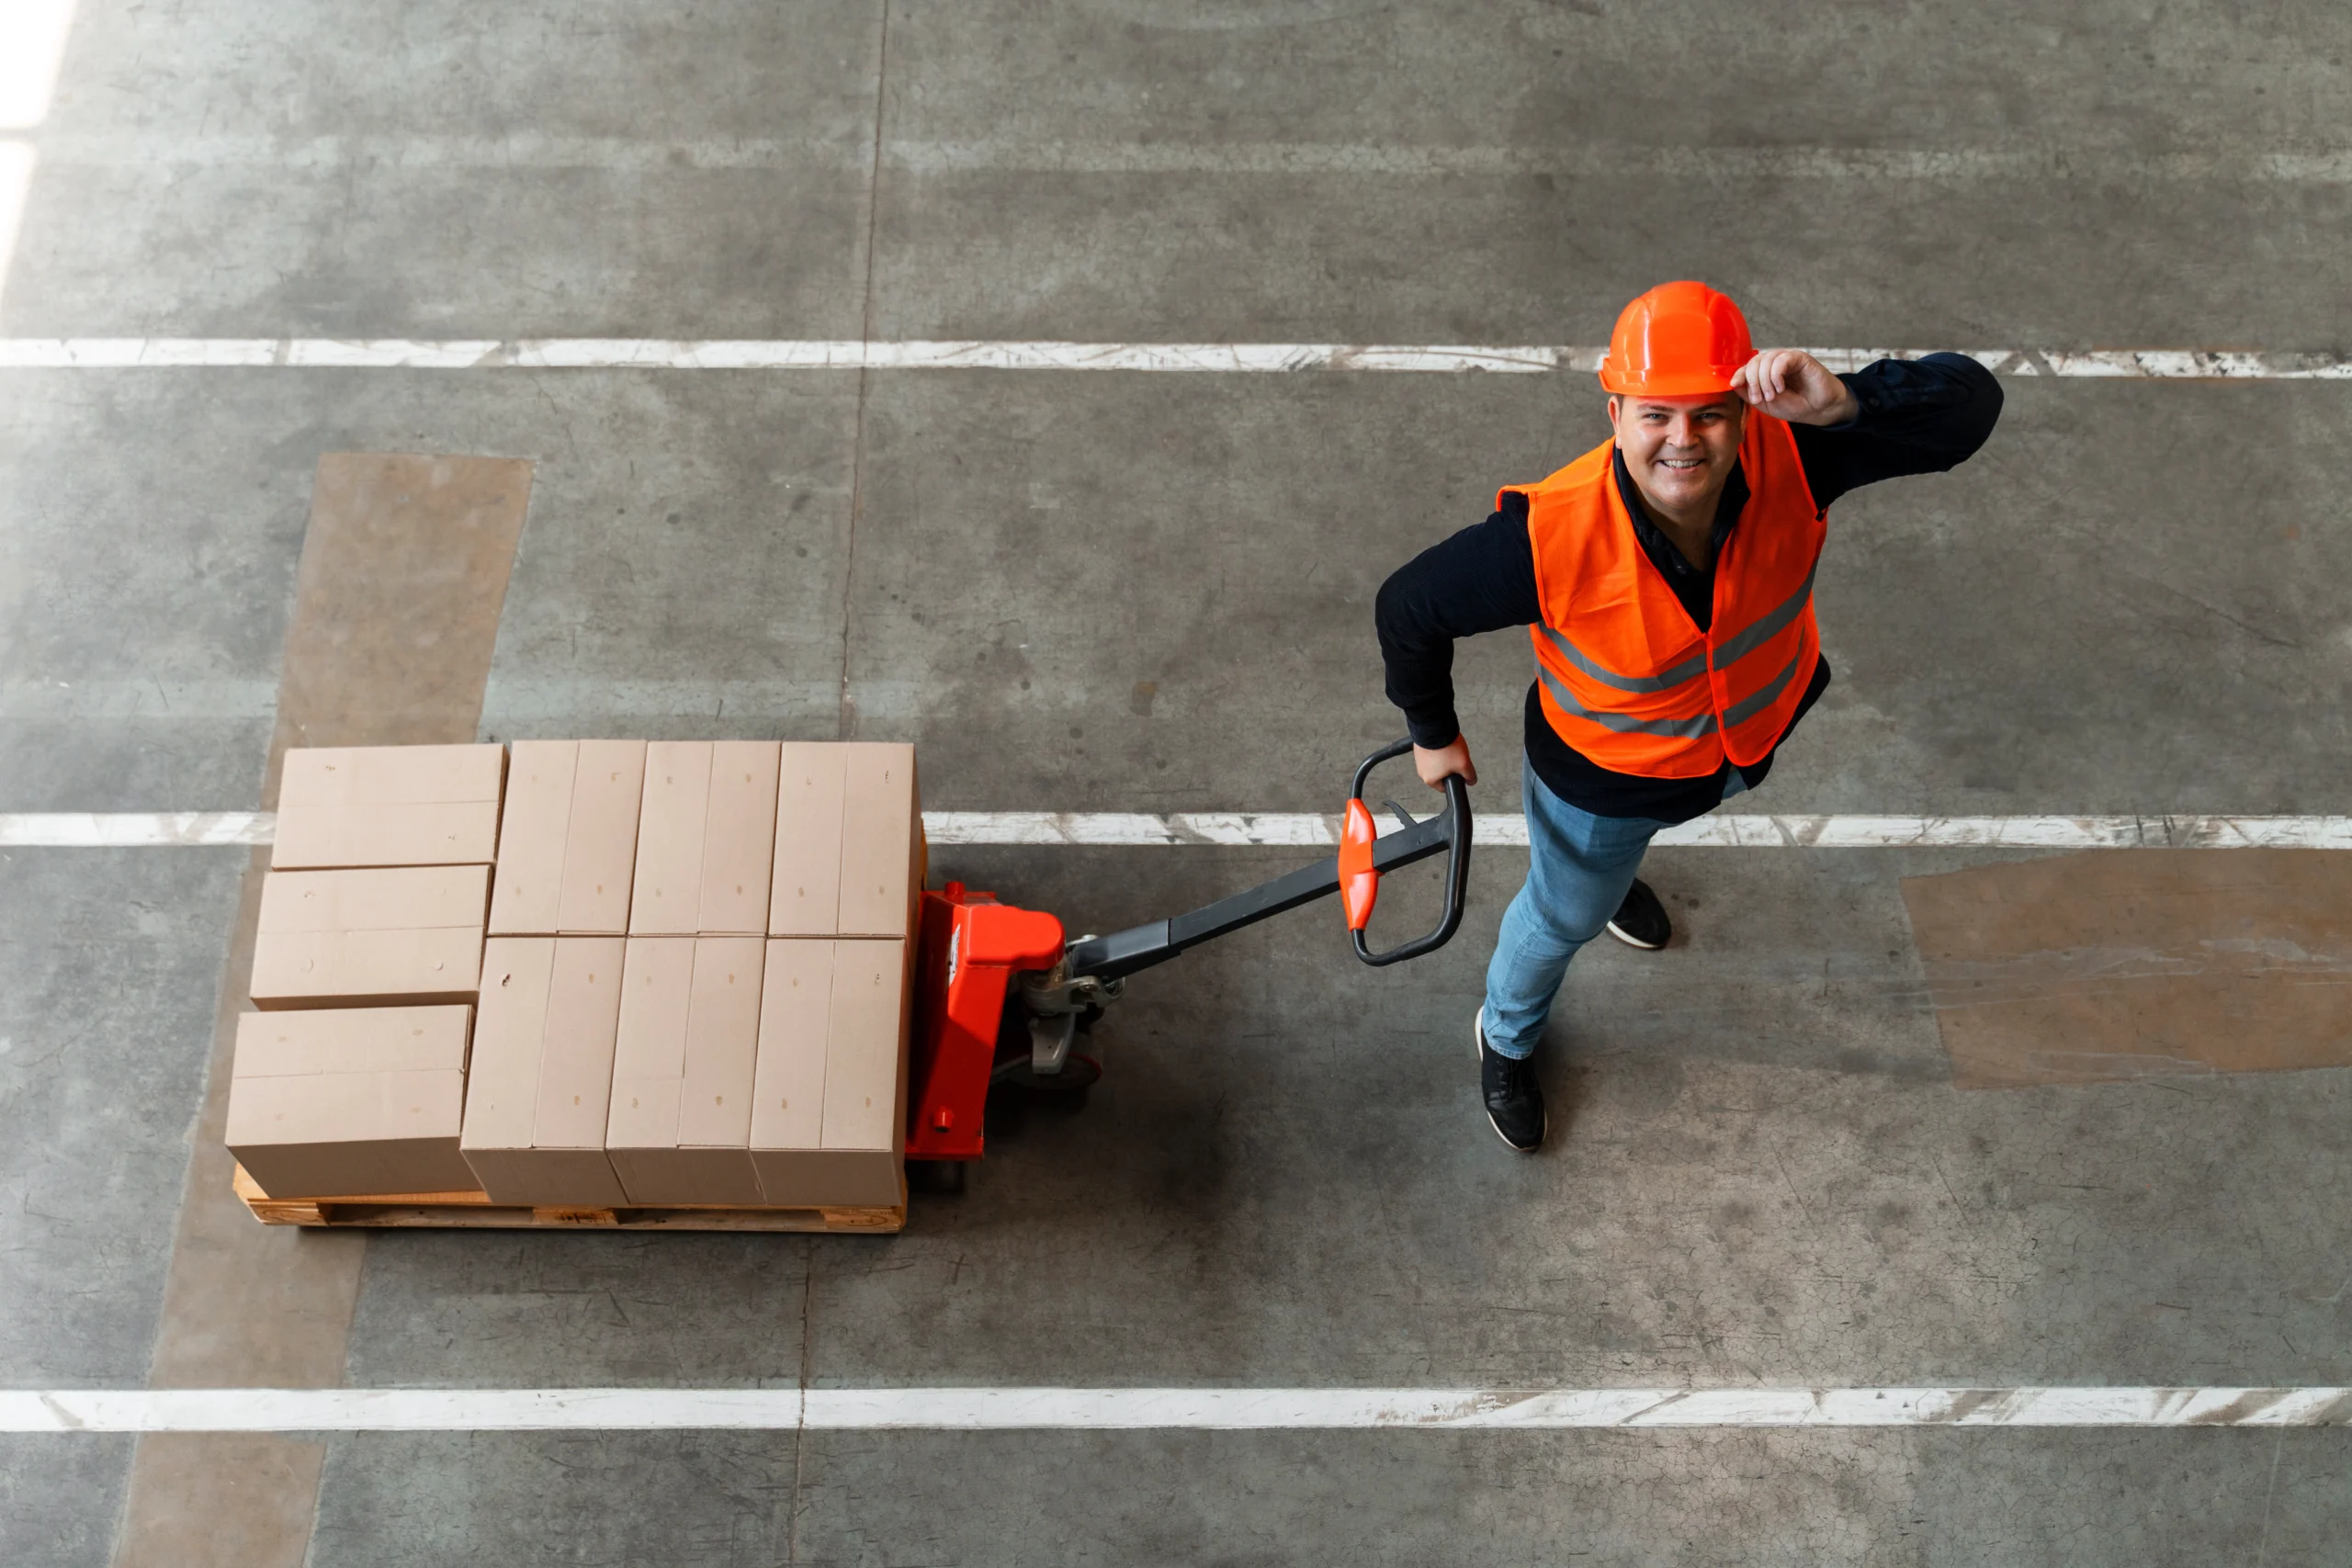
(1578, 868)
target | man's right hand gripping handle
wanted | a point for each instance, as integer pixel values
(1436, 763)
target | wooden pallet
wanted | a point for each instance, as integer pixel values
(475, 1209)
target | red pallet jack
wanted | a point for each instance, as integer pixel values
(1001, 994)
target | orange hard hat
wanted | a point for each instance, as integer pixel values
(1678, 340)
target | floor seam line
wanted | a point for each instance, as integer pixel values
(844, 715)
(800, 1423)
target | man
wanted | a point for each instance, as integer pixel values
(1665, 578)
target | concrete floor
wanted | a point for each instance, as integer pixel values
(1152, 593)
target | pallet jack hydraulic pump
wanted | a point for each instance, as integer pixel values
(1002, 994)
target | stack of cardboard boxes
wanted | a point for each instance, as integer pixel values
(681, 1122)
(366, 963)
(691, 961)
(559, 916)
(829, 1115)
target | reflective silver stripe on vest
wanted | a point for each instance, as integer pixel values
(1773, 622)
(1756, 701)
(1625, 724)
(1748, 640)
(1689, 670)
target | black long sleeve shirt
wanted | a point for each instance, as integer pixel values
(1913, 417)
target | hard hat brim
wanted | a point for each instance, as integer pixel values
(1684, 383)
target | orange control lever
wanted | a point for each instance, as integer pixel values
(1359, 883)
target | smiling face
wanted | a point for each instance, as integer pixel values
(1680, 450)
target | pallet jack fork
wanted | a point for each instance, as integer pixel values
(1002, 994)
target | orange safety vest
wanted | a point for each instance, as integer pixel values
(1628, 679)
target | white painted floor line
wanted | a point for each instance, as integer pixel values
(1608, 160)
(131, 829)
(1149, 1409)
(676, 354)
(134, 829)
(1310, 830)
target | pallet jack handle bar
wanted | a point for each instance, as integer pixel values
(1360, 868)
(1140, 947)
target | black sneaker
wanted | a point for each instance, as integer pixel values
(1640, 920)
(1514, 1099)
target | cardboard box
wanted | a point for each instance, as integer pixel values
(502, 1082)
(600, 848)
(881, 841)
(680, 1127)
(649, 1057)
(667, 897)
(829, 1114)
(706, 838)
(529, 885)
(807, 876)
(353, 1040)
(375, 806)
(541, 1082)
(849, 846)
(739, 841)
(350, 1103)
(568, 838)
(359, 938)
(377, 898)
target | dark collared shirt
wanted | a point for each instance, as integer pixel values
(1913, 417)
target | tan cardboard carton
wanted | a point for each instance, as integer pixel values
(324, 969)
(374, 806)
(829, 1115)
(738, 842)
(353, 1102)
(649, 1056)
(542, 1076)
(706, 838)
(680, 1124)
(600, 848)
(806, 900)
(355, 938)
(376, 898)
(503, 1081)
(537, 816)
(865, 1060)
(722, 1054)
(849, 841)
(788, 1080)
(352, 1040)
(569, 839)
(666, 900)
(881, 840)
(350, 1135)
(389, 775)
(576, 1062)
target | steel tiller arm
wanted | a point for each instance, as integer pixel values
(1362, 856)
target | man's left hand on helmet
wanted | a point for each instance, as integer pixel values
(1791, 385)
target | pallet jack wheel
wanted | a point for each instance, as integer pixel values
(939, 1178)
(1077, 1075)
